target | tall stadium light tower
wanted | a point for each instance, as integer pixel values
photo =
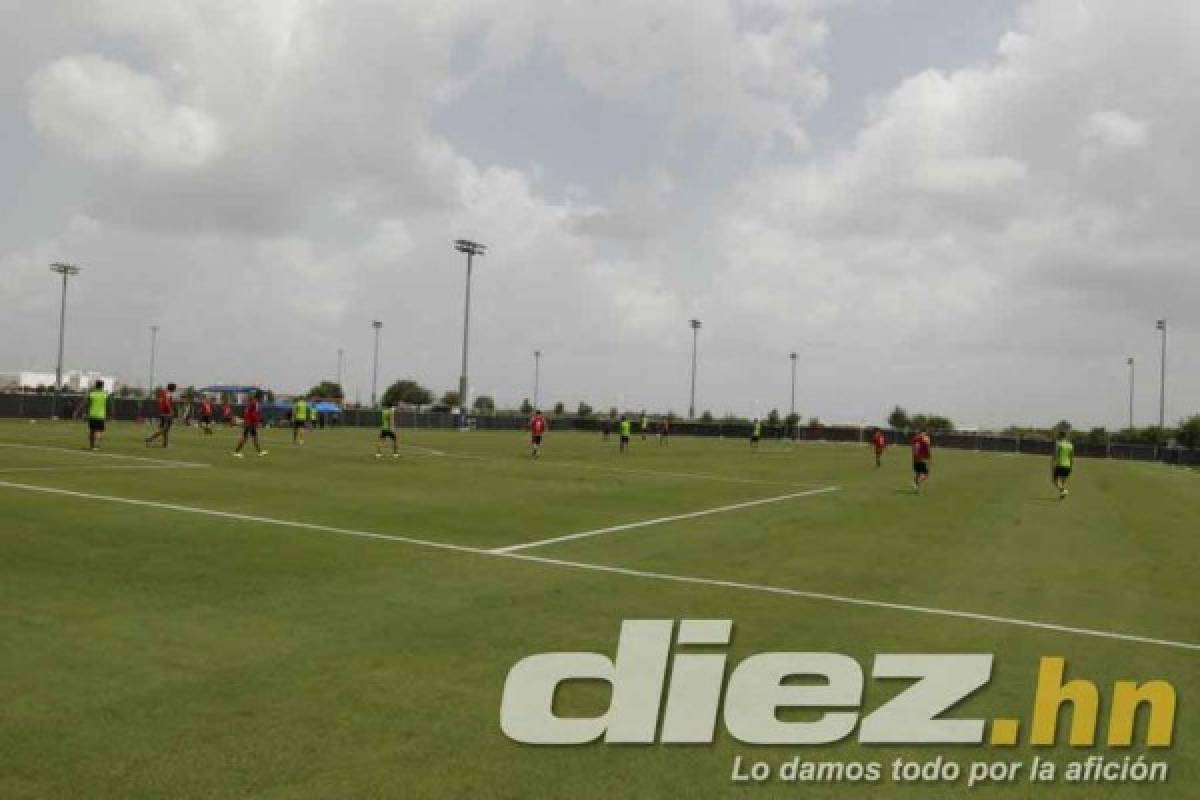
(695, 323)
(341, 353)
(66, 270)
(377, 325)
(793, 356)
(1162, 378)
(472, 249)
(537, 376)
(153, 354)
(1132, 367)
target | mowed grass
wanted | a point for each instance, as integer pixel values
(153, 652)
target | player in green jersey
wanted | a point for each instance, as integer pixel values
(626, 428)
(755, 435)
(387, 430)
(97, 413)
(300, 414)
(1064, 461)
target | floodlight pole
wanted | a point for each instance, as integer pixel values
(537, 376)
(66, 270)
(695, 324)
(339, 369)
(1162, 379)
(153, 353)
(377, 325)
(1132, 367)
(472, 249)
(793, 357)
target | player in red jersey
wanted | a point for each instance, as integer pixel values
(206, 415)
(166, 415)
(537, 429)
(227, 414)
(250, 422)
(922, 450)
(879, 442)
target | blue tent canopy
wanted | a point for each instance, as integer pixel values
(325, 407)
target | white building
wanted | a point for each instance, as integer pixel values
(78, 380)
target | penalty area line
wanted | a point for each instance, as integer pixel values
(98, 454)
(632, 573)
(513, 548)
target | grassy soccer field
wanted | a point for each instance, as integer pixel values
(157, 650)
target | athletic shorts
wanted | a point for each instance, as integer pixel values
(537, 438)
(206, 419)
(754, 438)
(250, 430)
(921, 467)
(299, 423)
(165, 421)
(1062, 472)
(625, 440)
(96, 425)
(386, 434)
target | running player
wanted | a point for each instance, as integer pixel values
(879, 442)
(537, 429)
(387, 430)
(166, 415)
(664, 431)
(227, 414)
(299, 419)
(645, 424)
(206, 415)
(97, 412)
(250, 422)
(1064, 460)
(922, 450)
(755, 435)
(625, 426)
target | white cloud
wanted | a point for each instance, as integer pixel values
(107, 112)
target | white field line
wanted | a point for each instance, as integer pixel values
(101, 454)
(92, 467)
(513, 548)
(634, 573)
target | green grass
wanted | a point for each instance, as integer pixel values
(148, 652)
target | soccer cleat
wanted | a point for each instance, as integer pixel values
(262, 452)
(395, 455)
(238, 455)
(379, 455)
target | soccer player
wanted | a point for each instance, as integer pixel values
(97, 412)
(645, 421)
(879, 442)
(664, 431)
(755, 435)
(250, 422)
(227, 414)
(1064, 460)
(537, 429)
(387, 430)
(626, 428)
(166, 415)
(922, 451)
(206, 415)
(605, 428)
(299, 419)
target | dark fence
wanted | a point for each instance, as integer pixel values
(35, 406)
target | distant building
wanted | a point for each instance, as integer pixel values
(76, 380)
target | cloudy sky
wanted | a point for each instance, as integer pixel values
(972, 208)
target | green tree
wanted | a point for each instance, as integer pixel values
(328, 390)
(526, 406)
(706, 416)
(898, 419)
(584, 410)
(484, 404)
(1189, 432)
(449, 399)
(559, 409)
(773, 418)
(406, 391)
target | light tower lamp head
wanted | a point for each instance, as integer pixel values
(695, 323)
(1160, 325)
(376, 324)
(469, 247)
(64, 269)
